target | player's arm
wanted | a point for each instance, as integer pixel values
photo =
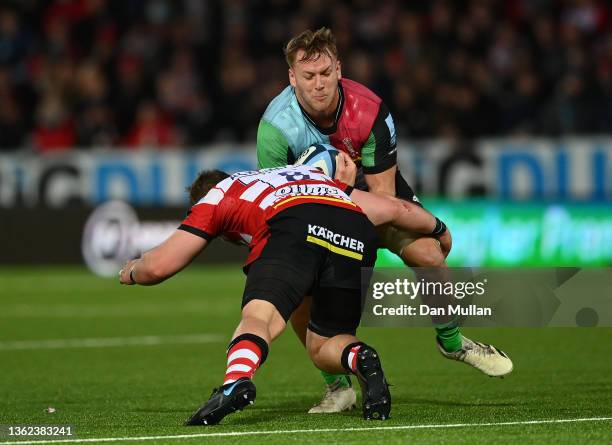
(379, 154)
(397, 212)
(382, 183)
(384, 209)
(272, 146)
(163, 261)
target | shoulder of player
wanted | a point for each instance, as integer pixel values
(282, 107)
(284, 114)
(355, 91)
(216, 194)
(360, 105)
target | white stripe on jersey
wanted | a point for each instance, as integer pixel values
(213, 197)
(268, 201)
(254, 191)
(225, 184)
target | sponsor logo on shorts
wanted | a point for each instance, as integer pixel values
(335, 242)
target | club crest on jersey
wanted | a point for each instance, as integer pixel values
(348, 144)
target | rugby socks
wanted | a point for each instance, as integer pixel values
(245, 354)
(341, 380)
(349, 356)
(449, 336)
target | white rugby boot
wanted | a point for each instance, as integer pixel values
(336, 399)
(486, 358)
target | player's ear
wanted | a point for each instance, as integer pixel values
(292, 77)
(339, 69)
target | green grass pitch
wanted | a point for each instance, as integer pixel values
(134, 390)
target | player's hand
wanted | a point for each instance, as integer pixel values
(346, 170)
(124, 273)
(446, 242)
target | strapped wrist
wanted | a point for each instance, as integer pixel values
(439, 229)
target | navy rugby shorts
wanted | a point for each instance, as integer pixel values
(317, 250)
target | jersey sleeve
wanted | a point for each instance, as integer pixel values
(272, 146)
(203, 219)
(343, 186)
(379, 153)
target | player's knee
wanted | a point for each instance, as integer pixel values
(259, 310)
(262, 316)
(426, 253)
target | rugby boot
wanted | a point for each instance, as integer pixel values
(223, 401)
(486, 358)
(376, 398)
(337, 398)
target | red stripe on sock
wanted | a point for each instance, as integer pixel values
(241, 361)
(243, 345)
(354, 350)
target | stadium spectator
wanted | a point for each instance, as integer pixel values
(493, 68)
(55, 127)
(151, 129)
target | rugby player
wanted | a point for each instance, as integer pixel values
(306, 237)
(320, 106)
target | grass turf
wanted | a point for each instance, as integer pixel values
(131, 391)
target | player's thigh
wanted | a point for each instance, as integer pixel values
(395, 239)
(335, 311)
(424, 251)
(348, 254)
(278, 282)
(339, 292)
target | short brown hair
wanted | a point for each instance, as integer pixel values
(206, 180)
(314, 44)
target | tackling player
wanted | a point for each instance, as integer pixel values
(319, 106)
(305, 236)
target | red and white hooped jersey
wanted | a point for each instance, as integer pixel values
(240, 206)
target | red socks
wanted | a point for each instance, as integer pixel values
(245, 354)
(349, 356)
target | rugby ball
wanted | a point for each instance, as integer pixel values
(321, 156)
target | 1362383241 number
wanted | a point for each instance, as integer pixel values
(37, 430)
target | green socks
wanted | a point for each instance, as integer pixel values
(330, 379)
(449, 336)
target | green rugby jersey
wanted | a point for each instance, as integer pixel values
(363, 129)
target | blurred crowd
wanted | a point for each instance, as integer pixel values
(173, 73)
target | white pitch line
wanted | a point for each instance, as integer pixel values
(322, 430)
(109, 342)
